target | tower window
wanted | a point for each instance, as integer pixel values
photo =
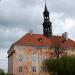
(46, 29)
(34, 68)
(45, 17)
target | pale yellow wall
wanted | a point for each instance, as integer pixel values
(27, 52)
(71, 52)
(10, 60)
(10, 65)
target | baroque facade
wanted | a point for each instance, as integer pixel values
(25, 56)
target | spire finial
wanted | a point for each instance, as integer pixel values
(45, 2)
(45, 6)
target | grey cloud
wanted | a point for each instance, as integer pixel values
(20, 18)
(27, 3)
(9, 36)
(65, 6)
(28, 14)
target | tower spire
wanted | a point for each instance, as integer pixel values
(45, 6)
(47, 25)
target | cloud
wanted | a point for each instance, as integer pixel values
(69, 24)
(3, 59)
(66, 6)
(10, 35)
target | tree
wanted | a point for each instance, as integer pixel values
(61, 66)
(2, 72)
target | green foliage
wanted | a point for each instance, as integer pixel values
(61, 66)
(2, 72)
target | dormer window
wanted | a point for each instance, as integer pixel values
(40, 39)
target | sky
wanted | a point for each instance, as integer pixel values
(18, 17)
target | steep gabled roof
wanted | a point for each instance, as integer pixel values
(41, 40)
(68, 44)
(34, 40)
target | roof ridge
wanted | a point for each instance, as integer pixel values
(32, 39)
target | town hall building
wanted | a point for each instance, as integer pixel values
(25, 56)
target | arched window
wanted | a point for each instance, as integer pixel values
(45, 17)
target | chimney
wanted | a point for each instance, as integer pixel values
(31, 32)
(65, 35)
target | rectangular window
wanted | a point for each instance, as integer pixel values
(44, 68)
(34, 68)
(20, 58)
(20, 68)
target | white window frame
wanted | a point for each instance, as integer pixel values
(20, 58)
(33, 68)
(44, 68)
(20, 69)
